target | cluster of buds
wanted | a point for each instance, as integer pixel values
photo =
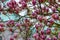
(44, 12)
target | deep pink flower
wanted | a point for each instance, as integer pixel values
(51, 20)
(18, 24)
(48, 39)
(40, 18)
(11, 38)
(24, 5)
(39, 25)
(35, 35)
(34, 2)
(26, 20)
(42, 37)
(47, 10)
(10, 23)
(37, 11)
(56, 5)
(54, 38)
(34, 14)
(45, 20)
(2, 24)
(54, 9)
(1, 29)
(55, 16)
(59, 35)
(36, 26)
(42, 32)
(48, 31)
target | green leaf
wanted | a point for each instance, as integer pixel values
(58, 9)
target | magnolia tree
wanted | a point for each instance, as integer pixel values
(30, 19)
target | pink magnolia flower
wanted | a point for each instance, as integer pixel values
(10, 23)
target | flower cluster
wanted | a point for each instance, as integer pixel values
(42, 17)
